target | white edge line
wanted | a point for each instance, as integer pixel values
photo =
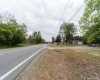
(9, 72)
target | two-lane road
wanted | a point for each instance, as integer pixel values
(13, 60)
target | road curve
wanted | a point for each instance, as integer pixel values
(13, 60)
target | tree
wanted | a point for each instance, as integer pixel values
(43, 40)
(90, 21)
(36, 38)
(67, 31)
(30, 40)
(94, 38)
(53, 40)
(19, 35)
(80, 38)
(58, 39)
(11, 33)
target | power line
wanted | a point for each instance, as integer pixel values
(63, 13)
(69, 8)
(75, 13)
(78, 10)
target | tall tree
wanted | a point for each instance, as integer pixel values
(90, 21)
(36, 38)
(53, 40)
(30, 39)
(11, 33)
(67, 30)
(58, 39)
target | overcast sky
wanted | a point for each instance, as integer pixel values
(42, 15)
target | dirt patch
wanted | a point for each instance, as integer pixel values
(67, 65)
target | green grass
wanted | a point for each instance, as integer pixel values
(64, 45)
(96, 52)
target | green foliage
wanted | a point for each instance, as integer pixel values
(91, 14)
(67, 31)
(53, 40)
(11, 33)
(58, 39)
(90, 21)
(80, 38)
(36, 38)
(30, 39)
(43, 40)
(94, 38)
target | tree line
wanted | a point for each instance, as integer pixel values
(35, 38)
(67, 34)
(12, 33)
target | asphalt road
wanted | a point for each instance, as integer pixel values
(14, 60)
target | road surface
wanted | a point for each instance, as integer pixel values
(13, 60)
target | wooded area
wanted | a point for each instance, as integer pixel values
(12, 33)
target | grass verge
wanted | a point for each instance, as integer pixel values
(64, 45)
(68, 65)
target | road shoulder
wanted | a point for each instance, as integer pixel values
(27, 72)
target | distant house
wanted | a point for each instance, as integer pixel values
(77, 42)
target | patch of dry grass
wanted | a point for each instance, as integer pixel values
(55, 45)
(64, 45)
(67, 65)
